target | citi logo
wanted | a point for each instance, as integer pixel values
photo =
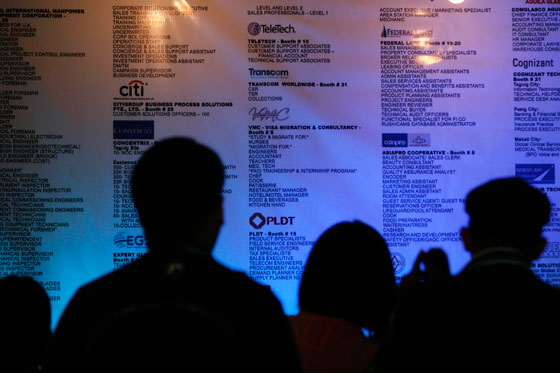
(258, 220)
(254, 29)
(134, 88)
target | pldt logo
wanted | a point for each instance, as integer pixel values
(536, 173)
(254, 29)
(134, 88)
(258, 220)
(133, 129)
(397, 259)
(124, 241)
(394, 140)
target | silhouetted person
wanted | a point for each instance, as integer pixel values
(175, 309)
(495, 315)
(25, 317)
(348, 284)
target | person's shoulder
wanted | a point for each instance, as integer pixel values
(239, 280)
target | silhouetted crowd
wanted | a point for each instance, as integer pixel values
(178, 310)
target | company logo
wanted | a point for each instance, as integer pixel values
(397, 259)
(254, 29)
(394, 140)
(258, 220)
(266, 73)
(133, 129)
(135, 88)
(124, 241)
(419, 139)
(536, 173)
(272, 115)
(397, 33)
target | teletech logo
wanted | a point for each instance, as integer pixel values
(536, 173)
(254, 29)
(135, 88)
(258, 220)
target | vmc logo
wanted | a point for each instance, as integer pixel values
(134, 88)
(258, 220)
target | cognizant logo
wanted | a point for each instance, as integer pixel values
(257, 73)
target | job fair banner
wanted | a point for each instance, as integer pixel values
(386, 111)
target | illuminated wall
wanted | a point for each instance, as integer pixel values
(384, 111)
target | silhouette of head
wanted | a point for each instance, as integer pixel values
(349, 275)
(26, 319)
(507, 212)
(176, 187)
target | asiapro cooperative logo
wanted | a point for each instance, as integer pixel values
(404, 140)
(419, 139)
(536, 173)
(134, 88)
(394, 140)
(254, 29)
(397, 33)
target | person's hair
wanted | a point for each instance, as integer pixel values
(349, 275)
(175, 185)
(507, 212)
